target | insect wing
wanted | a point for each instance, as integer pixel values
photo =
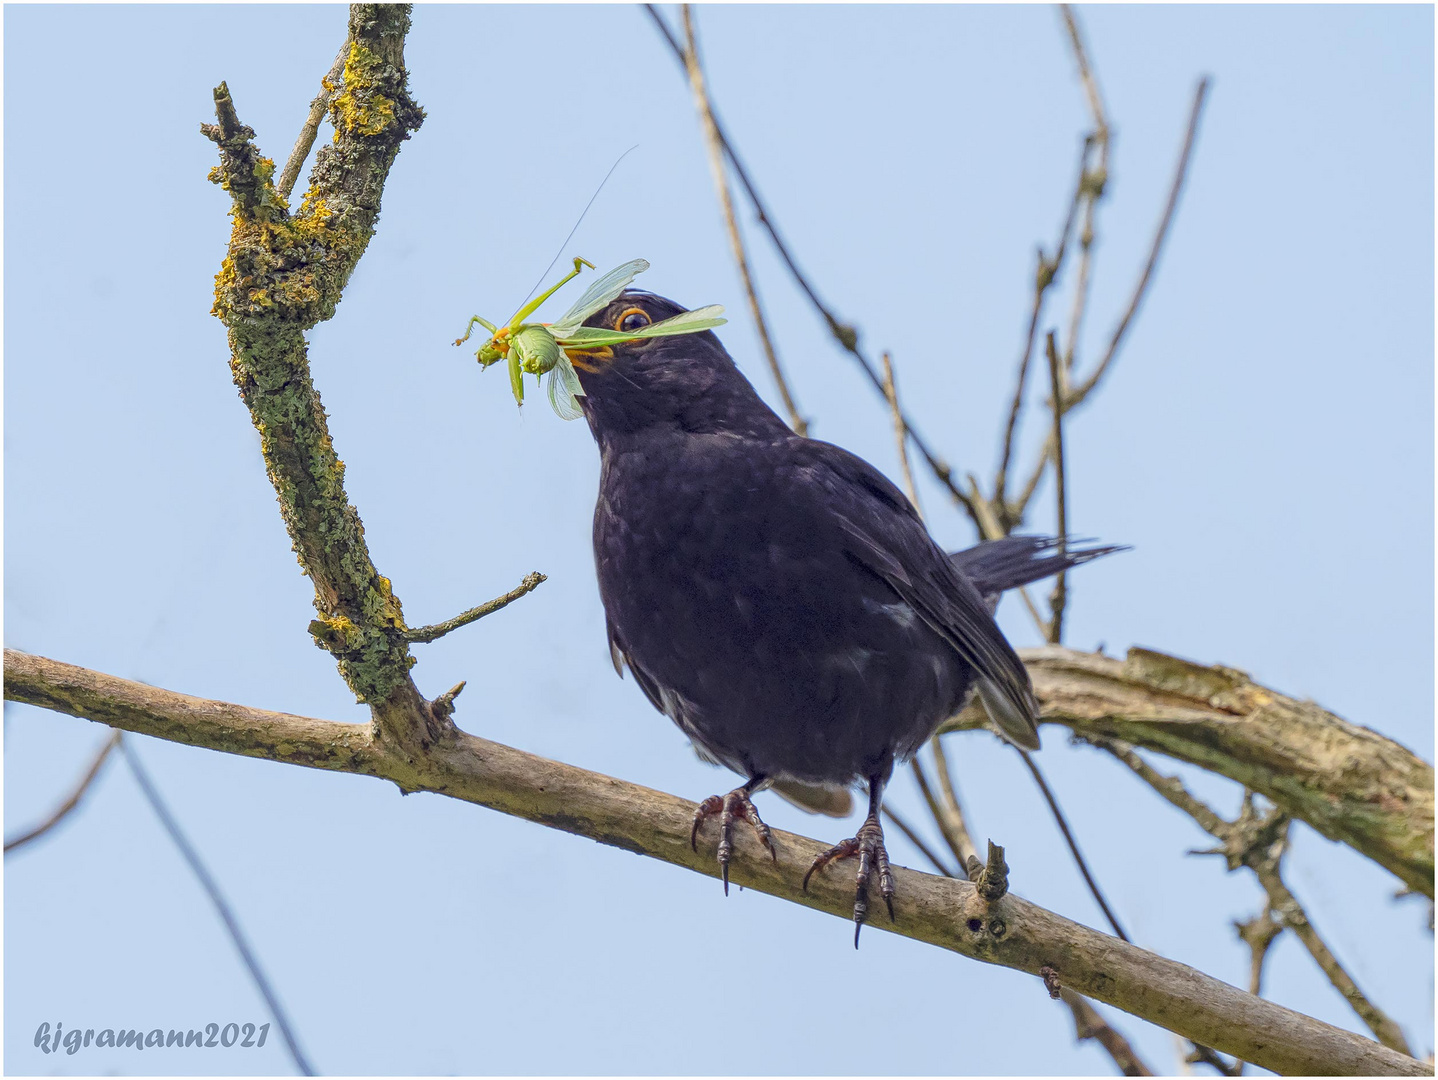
(564, 390)
(537, 349)
(686, 322)
(601, 292)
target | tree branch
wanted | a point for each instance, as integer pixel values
(73, 800)
(1258, 841)
(284, 274)
(846, 335)
(715, 147)
(425, 634)
(950, 914)
(1348, 782)
(329, 86)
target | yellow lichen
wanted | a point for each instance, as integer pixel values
(361, 109)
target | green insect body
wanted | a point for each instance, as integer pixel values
(539, 348)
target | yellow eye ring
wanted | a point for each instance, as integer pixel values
(627, 314)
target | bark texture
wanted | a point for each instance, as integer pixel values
(945, 912)
(1348, 782)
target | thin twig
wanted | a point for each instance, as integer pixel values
(1259, 841)
(1059, 597)
(1093, 183)
(1258, 934)
(1086, 75)
(1045, 274)
(73, 800)
(1141, 289)
(430, 633)
(1090, 1024)
(955, 835)
(726, 204)
(1080, 393)
(1291, 912)
(918, 842)
(958, 823)
(318, 107)
(222, 906)
(844, 333)
(891, 392)
(1072, 843)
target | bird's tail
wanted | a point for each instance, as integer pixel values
(996, 566)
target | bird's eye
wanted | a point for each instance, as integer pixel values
(632, 320)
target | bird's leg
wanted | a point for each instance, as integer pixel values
(868, 845)
(736, 806)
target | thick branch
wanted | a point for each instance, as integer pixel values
(281, 276)
(947, 913)
(1348, 782)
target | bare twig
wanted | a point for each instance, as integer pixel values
(951, 827)
(222, 906)
(1081, 392)
(423, 634)
(1090, 1024)
(941, 911)
(72, 800)
(1072, 844)
(1259, 841)
(844, 333)
(1059, 597)
(1045, 274)
(1258, 933)
(1093, 185)
(891, 392)
(1290, 911)
(952, 807)
(726, 205)
(1086, 75)
(329, 86)
(1141, 289)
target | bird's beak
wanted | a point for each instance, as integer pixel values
(587, 359)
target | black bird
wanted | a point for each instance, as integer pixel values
(777, 597)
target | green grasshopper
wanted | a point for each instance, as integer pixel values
(538, 348)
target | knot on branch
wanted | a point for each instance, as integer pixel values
(992, 881)
(1255, 838)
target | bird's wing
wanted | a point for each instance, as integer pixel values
(883, 534)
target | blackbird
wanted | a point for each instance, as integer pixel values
(776, 596)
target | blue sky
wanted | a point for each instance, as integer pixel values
(1265, 443)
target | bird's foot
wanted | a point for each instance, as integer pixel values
(868, 845)
(736, 806)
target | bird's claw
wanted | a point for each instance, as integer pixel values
(736, 806)
(868, 844)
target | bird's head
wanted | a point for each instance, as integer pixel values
(686, 382)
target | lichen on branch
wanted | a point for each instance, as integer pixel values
(283, 274)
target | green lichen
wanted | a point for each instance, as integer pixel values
(283, 274)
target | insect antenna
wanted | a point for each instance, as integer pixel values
(578, 223)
